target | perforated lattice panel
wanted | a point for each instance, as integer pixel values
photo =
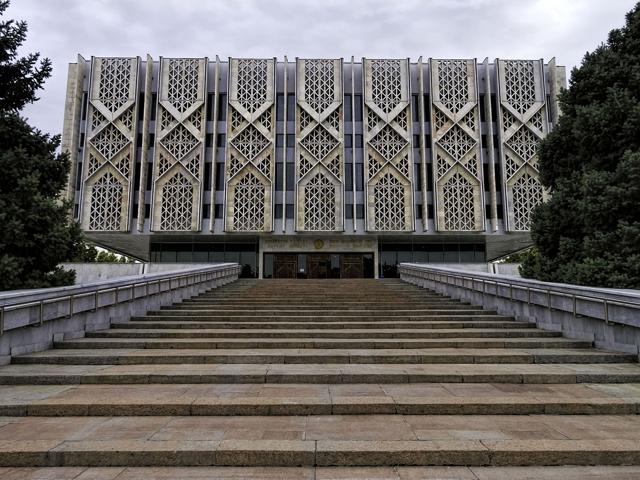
(527, 194)
(456, 146)
(320, 204)
(458, 205)
(177, 203)
(388, 198)
(319, 154)
(388, 153)
(110, 146)
(522, 113)
(106, 197)
(250, 168)
(179, 145)
(248, 201)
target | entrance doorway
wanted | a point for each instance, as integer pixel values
(318, 265)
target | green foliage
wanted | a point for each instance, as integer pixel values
(20, 77)
(589, 231)
(36, 233)
(90, 254)
(517, 257)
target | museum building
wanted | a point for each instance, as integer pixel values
(312, 168)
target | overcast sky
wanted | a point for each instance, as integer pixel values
(60, 29)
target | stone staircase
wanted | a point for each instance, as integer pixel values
(311, 379)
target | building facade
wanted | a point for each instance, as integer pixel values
(308, 168)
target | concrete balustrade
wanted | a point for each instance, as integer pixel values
(31, 320)
(609, 318)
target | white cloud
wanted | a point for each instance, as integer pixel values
(60, 29)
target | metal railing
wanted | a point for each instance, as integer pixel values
(149, 285)
(506, 287)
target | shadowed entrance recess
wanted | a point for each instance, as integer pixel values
(318, 265)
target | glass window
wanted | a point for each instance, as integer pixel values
(201, 252)
(267, 266)
(358, 143)
(348, 175)
(280, 107)
(290, 176)
(222, 107)
(348, 210)
(347, 107)
(348, 141)
(222, 140)
(358, 107)
(249, 263)
(219, 176)
(467, 254)
(291, 108)
(279, 171)
(359, 177)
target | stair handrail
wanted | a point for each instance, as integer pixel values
(150, 283)
(479, 281)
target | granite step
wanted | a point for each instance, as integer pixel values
(317, 440)
(198, 323)
(43, 374)
(322, 399)
(324, 333)
(179, 343)
(324, 473)
(370, 322)
(132, 356)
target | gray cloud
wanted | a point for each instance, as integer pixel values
(60, 29)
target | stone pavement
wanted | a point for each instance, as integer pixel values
(321, 379)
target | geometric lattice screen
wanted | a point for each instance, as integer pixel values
(250, 160)
(319, 145)
(388, 161)
(109, 155)
(523, 123)
(179, 144)
(455, 129)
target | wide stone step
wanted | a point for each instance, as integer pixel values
(180, 343)
(420, 316)
(331, 306)
(370, 440)
(295, 356)
(328, 473)
(325, 319)
(41, 374)
(323, 399)
(327, 334)
(197, 323)
(290, 304)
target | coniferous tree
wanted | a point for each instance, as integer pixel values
(36, 233)
(589, 231)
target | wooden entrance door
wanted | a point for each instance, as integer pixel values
(319, 266)
(351, 266)
(285, 266)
